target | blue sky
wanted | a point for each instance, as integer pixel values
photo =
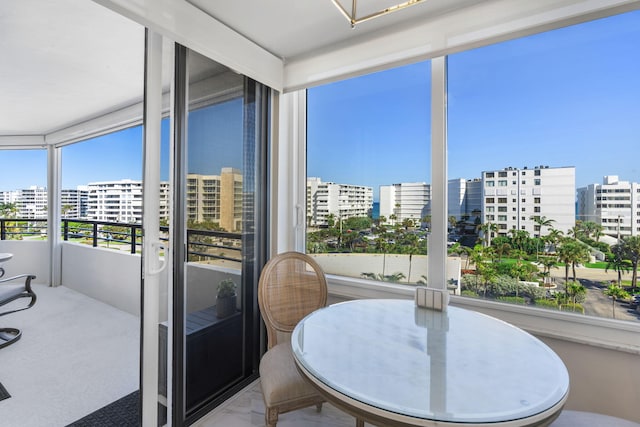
(568, 97)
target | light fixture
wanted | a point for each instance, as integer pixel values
(353, 18)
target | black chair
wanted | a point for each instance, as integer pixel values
(10, 292)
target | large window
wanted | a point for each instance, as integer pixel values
(559, 110)
(368, 174)
(23, 194)
(553, 115)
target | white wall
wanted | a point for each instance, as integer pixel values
(108, 275)
(353, 265)
(29, 257)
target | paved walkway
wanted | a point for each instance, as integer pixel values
(597, 303)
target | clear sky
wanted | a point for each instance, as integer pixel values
(569, 97)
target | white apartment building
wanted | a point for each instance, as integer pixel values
(31, 203)
(74, 202)
(343, 201)
(464, 198)
(614, 204)
(512, 197)
(115, 201)
(407, 200)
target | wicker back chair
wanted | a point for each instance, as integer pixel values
(291, 286)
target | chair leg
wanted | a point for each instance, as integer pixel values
(8, 336)
(270, 417)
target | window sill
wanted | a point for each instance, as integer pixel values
(598, 332)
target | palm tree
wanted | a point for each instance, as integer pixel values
(548, 262)
(570, 253)
(543, 221)
(553, 237)
(631, 250)
(615, 292)
(575, 290)
(616, 262)
(519, 238)
(487, 229)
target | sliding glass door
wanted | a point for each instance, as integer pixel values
(218, 238)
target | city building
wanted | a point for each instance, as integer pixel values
(514, 197)
(74, 202)
(407, 200)
(343, 201)
(31, 203)
(614, 204)
(216, 198)
(115, 201)
(465, 198)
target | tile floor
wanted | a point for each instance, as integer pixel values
(246, 409)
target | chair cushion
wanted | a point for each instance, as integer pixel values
(280, 380)
(8, 291)
(589, 419)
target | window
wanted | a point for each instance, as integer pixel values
(502, 208)
(502, 200)
(490, 183)
(490, 208)
(489, 175)
(490, 200)
(502, 183)
(372, 198)
(508, 82)
(502, 217)
(23, 194)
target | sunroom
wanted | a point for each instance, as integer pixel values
(254, 99)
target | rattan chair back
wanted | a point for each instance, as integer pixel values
(291, 286)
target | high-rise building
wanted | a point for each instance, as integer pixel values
(513, 198)
(31, 203)
(407, 200)
(74, 202)
(216, 198)
(464, 198)
(614, 204)
(343, 201)
(115, 201)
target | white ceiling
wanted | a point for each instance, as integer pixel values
(289, 28)
(67, 61)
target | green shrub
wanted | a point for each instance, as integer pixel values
(547, 303)
(469, 293)
(513, 300)
(572, 307)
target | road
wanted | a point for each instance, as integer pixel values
(597, 303)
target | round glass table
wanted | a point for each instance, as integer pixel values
(391, 363)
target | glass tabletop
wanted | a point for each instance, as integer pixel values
(455, 366)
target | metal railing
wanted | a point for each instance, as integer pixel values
(202, 245)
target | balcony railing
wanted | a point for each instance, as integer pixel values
(203, 245)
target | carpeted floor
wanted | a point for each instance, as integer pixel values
(124, 412)
(4, 394)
